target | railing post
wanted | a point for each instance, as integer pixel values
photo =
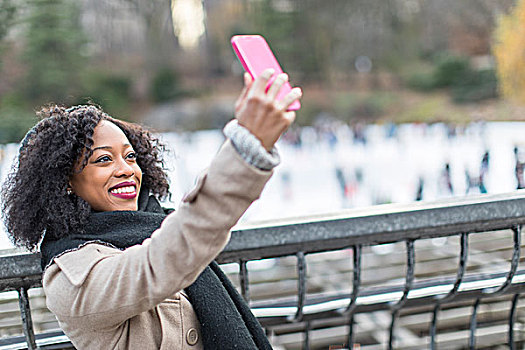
(301, 287)
(409, 279)
(301, 296)
(243, 276)
(433, 326)
(356, 253)
(27, 322)
(306, 344)
(513, 266)
(512, 317)
(473, 325)
(440, 299)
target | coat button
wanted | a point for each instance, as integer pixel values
(192, 337)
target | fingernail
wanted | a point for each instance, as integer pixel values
(284, 76)
(298, 91)
(268, 73)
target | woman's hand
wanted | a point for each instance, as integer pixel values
(260, 112)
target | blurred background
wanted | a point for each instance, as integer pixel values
(404, 100)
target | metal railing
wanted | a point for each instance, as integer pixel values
(354, 230)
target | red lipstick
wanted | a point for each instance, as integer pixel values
(124, 190)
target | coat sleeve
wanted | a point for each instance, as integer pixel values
(102, 287)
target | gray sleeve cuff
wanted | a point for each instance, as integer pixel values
(250, 148)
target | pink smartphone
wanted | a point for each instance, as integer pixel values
(256, 56)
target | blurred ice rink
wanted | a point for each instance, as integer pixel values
(333, 168)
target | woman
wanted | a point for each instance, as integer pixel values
(119, 272)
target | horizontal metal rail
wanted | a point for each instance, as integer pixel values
(423, 293)
(352, 229)
(374, 225)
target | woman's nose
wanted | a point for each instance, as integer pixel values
(123, 168)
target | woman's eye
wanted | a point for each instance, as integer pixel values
(132, 155)
(103, 159)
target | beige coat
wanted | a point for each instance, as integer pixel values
(105, 298)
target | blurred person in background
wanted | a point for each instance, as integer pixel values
(121, 271)
(518, 168)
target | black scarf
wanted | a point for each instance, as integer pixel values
(225, 318)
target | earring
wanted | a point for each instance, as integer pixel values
(69, 191)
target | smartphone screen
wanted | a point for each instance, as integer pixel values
(256, 56)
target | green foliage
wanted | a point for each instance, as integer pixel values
(447, 71)
(54, 42)
(300, 40)
(51, 58)
(476, 86)
(15, 124)
(15, 118)
(7, 13)
(450, 70)
(109, 90)
(165, 86)
(421, 81)
(455, 73)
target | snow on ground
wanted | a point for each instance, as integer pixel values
(336, 167)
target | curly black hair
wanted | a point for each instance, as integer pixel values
(34, 196)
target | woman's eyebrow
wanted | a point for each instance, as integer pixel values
(102, 147)
(109, 147)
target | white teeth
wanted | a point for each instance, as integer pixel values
(127, 189)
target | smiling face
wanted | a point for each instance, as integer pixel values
(111, 179)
